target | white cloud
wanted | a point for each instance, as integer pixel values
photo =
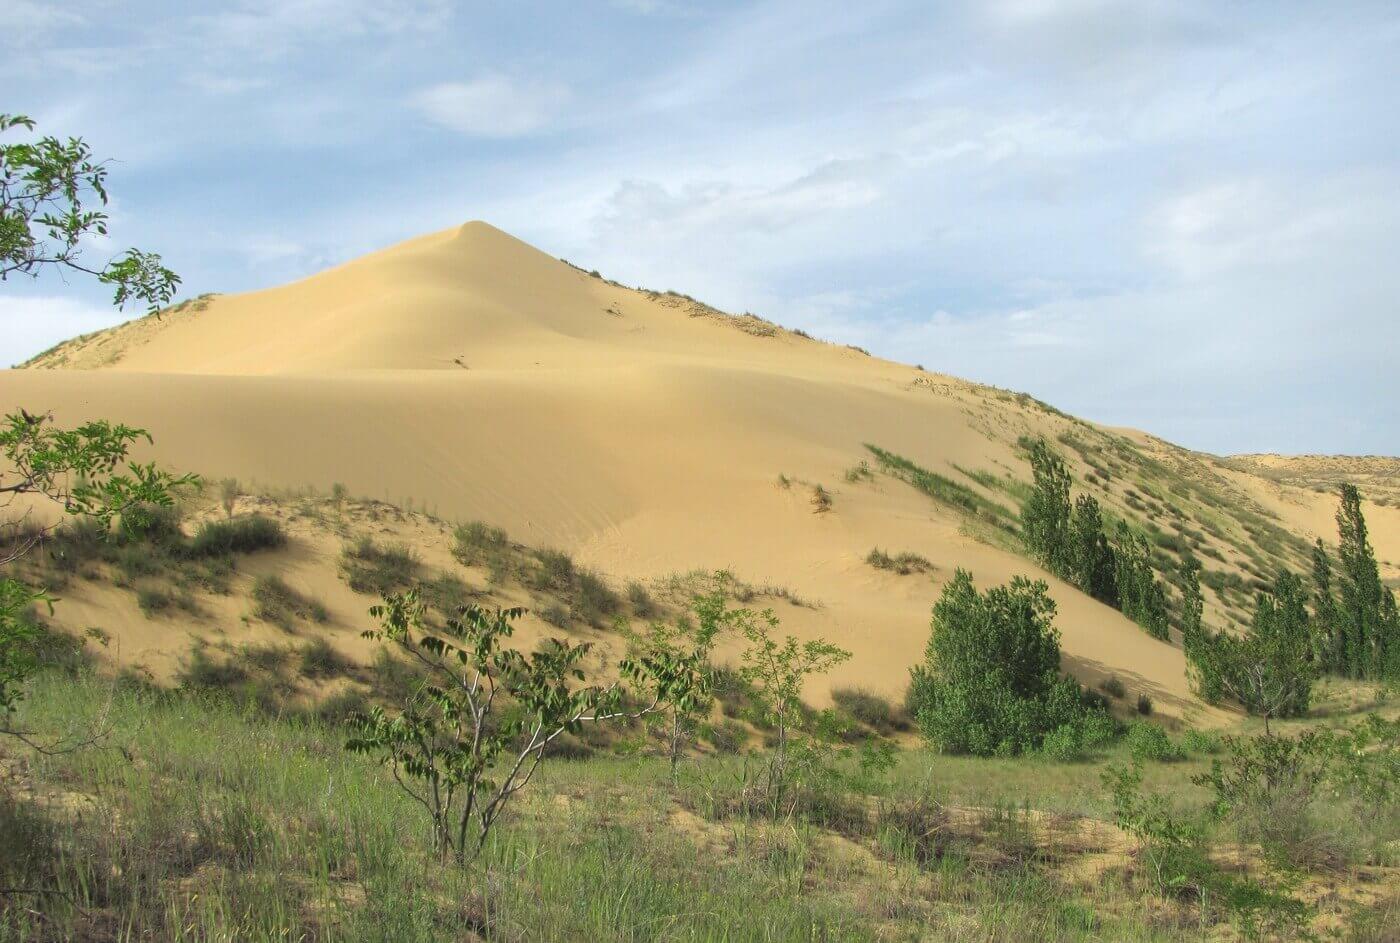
(492, 106)
(31, 324)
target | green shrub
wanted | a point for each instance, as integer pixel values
(1113, 687)
(1149, 742)
(903, 563)
(246, 533)
(153, 601)
(727, 736)
(643, 606)
(369, 567)
(1144, 705)
(1202, 742)
(870, 709)
(556, 570)
(476, 543)
(990, 681)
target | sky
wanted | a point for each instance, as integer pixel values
(1182, 217)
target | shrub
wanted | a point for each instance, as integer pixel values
(556, 570)
(1149, 742)
(341, 706)
(369, 567)
(990, 681)
(727, 736)
(243, 534)
(556, 615)
(202, 672)
(446, 593)
(1201, 741)
(1144, 705)
(1113, 687)
(821, 499)
(276, 602)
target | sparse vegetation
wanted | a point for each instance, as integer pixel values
(373, 568)
(901, 563)
(248, 533)
(277, 602)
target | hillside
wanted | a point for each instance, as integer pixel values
(467, 375)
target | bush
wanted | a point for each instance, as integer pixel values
(556, 570)
(1201, 741)
(202, 672)
(555, 615)
(276, 602)
(446, 593)
(643, 606)
(595, 600)
(1150, 742)
(243, 534)
(153, 601)
(1113, 687)
(727, 736)
(903, 564)
(368, 567)
(990, 681)
(1144, 705)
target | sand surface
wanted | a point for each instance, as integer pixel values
(468, 374)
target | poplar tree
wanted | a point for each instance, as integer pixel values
(1045, 518)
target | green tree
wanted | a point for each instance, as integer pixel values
(1329, 649)
(1270, 670)
(990, 680)
(471, 735)
(1369, 637)
(1045, 517)
(1092, 563)
(775, 672)
(1142, 597)
(47, 188)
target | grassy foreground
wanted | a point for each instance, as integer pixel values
(198, 819)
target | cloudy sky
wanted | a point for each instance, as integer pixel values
(1181, 217)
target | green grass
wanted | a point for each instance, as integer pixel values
(276, 602)
(374, 568)
(945, 490)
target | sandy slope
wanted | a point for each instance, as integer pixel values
(472, 375)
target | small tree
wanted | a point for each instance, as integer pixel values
(1270, 671)
(1092, 563)
(1045, 517)
(473, 733)
(775, 672)
(1141, 594)
(1329, 648)
(672, 663)
(1370, 635)
(990, 683)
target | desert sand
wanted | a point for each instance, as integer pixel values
(471, 375)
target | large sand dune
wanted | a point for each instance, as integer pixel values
(475, 376)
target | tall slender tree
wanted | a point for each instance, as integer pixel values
(1045, 517)
(1091, 558)
(1368, 639)
(1328, 648)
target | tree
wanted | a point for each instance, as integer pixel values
(672, 662)
(1045, 517)
(1203, 666)
(1092, 562)
(775, 672)
(1141, 595)
(1270, 670)
(990, 681)
(1369, 637)
(1329, 649)
(46, 189)
(474, 731)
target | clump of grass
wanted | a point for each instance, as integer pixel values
(1144, 705)
(784, 481)
(859, 472)
(477, 543)
(319, 659)
(246, 533)
(821, 499)
(594, 600)
(556, 570)
(446, 592)
(643, 606)
(153, 600)
(903, 563)
(370, 567)
(269, 658)
(201, 672)
(943, 489)
(276, 602)
(1113, 687)
(555, 615)
(870, 709)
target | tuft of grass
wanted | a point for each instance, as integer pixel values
(377, 569)
(276, 602)
(555, 571)
(319, 659)
(945, 490)
(153, 601)
(902, 563)
(639, 598)
(1113, 687)
(594, 600)
(1144, 705)
(821, 499)
(870, 709)
(243, 534)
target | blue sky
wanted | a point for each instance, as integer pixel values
(1181, 217)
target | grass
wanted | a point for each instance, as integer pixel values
(227, 825)
(243, 534)
(901, 563)
(276, 602)
(374, 568)
(944, 490)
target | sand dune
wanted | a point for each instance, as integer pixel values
(474, 376)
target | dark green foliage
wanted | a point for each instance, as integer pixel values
(871, 710)
(1367, 636)
(1142, 597)
(1113, 687)
(369, 567)
(246, 533)
(990, 681)
(1144, 705)
(1045, 517)
(1092, 566)
(1146, 741)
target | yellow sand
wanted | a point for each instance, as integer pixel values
(475, 376)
